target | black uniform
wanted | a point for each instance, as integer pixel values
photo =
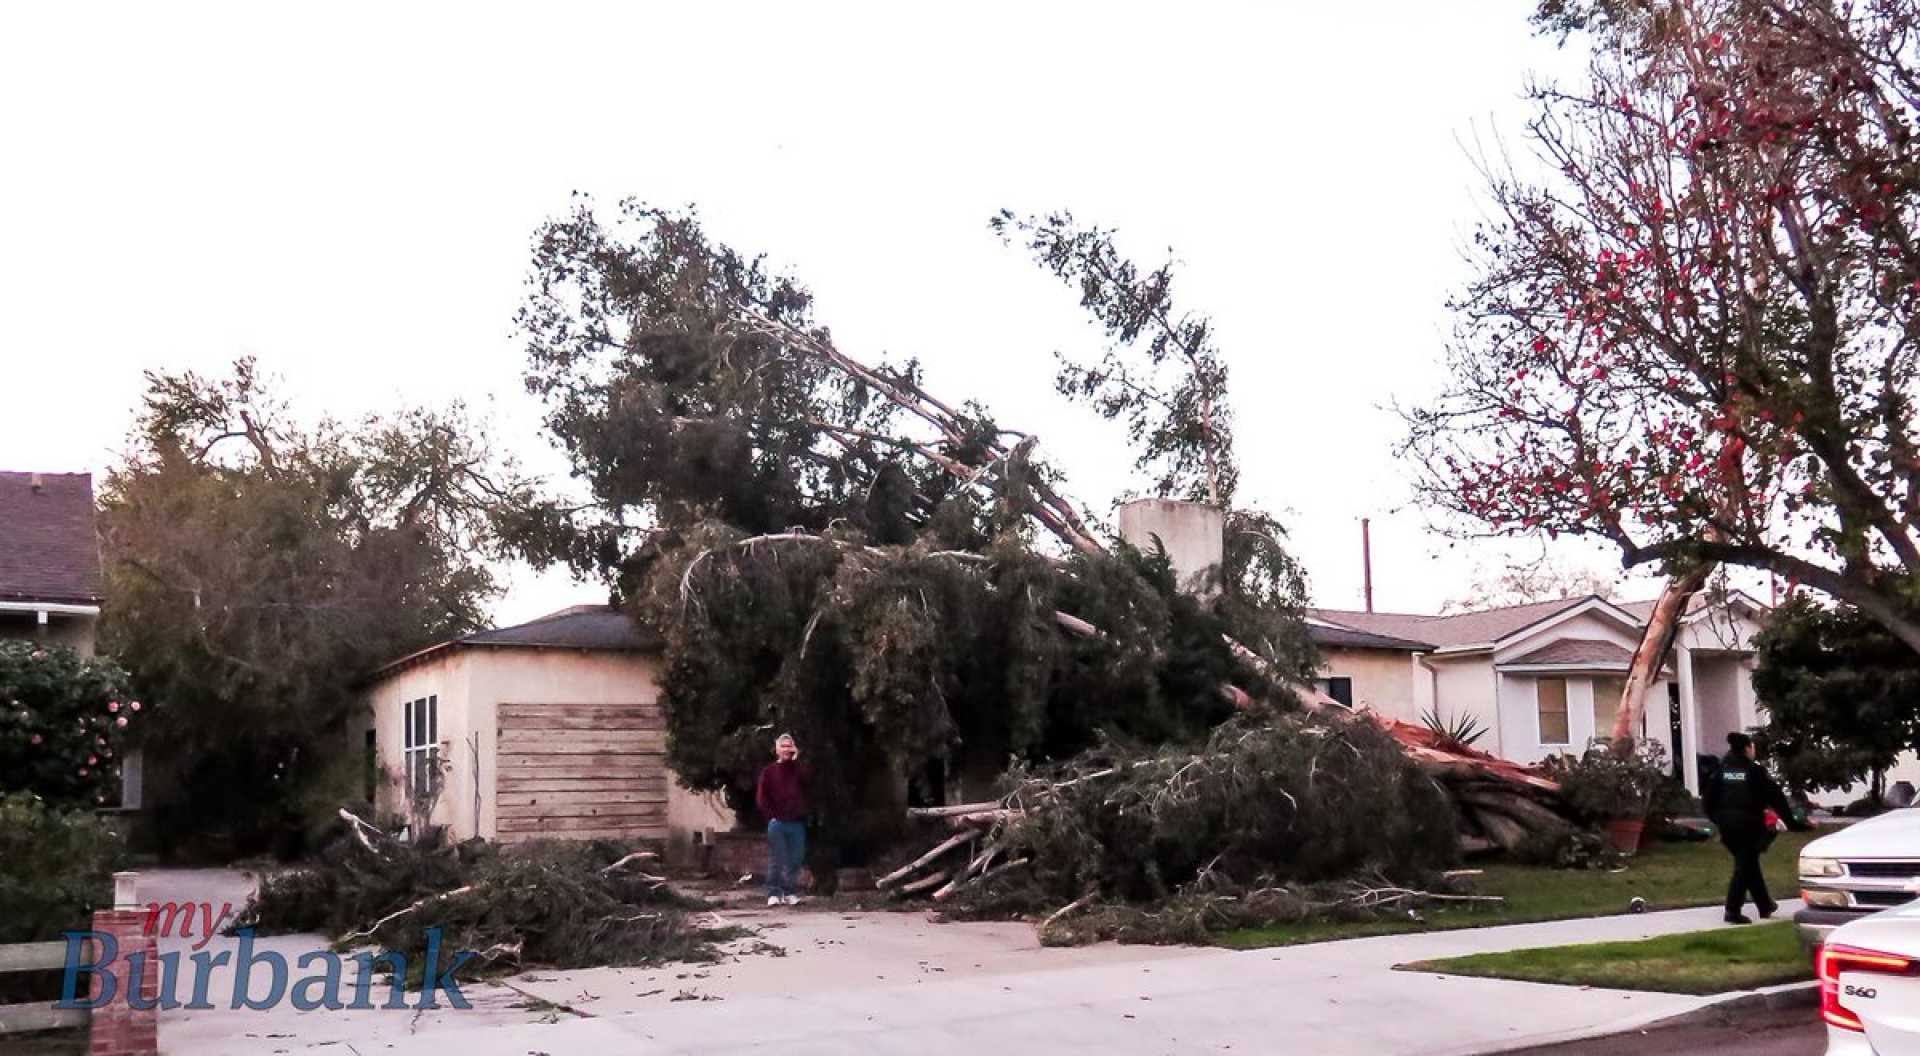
(1737, 798)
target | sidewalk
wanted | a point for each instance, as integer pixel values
(1334, 998)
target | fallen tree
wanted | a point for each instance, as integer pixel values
(1272, 817)
(547, 903)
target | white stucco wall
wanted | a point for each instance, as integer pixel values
(472, 683)
(1383, 680)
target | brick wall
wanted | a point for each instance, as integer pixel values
(118, 1028)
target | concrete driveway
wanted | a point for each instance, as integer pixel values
(817, 981)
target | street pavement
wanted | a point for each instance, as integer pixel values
(821, 981)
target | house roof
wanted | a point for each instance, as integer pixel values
(1466, 628)
(1578, 651)
(604, 628)
(1331, 636)
(48, 549)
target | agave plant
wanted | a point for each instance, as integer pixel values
(1458, 731)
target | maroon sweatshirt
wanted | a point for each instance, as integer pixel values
(781, 793)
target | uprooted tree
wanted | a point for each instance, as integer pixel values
(1694, 337)
(829, 548)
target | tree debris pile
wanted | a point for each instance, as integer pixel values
(1272, 819)
(550, 903)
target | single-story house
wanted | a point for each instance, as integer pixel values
(1546, 677)
(547, 728)
(50, 582)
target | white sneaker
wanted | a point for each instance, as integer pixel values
(775, 900)
(791, 900)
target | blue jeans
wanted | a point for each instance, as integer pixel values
(787, 849)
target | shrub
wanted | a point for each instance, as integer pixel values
(63, 722)
(56, 867)
(1605, 783)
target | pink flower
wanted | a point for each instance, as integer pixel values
(35, 739)
(93, 760)
(113, 705)
(121, 721)
(83, 771)
(135, 705)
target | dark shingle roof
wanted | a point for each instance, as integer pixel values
(48, 550)
(1578, 651)
(576, 627)
(1328, 636)
(599, 627)
(1465, 628)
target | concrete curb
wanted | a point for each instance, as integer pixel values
(1711, 1008)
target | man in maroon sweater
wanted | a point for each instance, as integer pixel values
(783, 799)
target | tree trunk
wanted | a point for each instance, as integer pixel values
(1663, 626)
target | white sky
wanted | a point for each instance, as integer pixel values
(349, 196)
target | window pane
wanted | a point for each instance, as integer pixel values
(1553, 710)
(1606, 704)
(432, 704)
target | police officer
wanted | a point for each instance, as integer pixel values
(1737, 798)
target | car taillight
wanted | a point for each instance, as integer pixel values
(1836, 959)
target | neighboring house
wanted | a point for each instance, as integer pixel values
(50, 583)
(1546, 678)
(548, 728)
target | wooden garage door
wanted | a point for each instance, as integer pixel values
(582, 771)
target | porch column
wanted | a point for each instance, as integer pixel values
(1689, 718)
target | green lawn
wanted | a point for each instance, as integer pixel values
(1667, 875)
(1698, 962)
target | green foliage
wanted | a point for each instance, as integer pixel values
(1274, 807)
(1457, 731)
(1842, 694)
(547, 903)
(830, 550)
(1161, 371)
(258, 570)
(1606, 783)
(64, 723)
(56, 867)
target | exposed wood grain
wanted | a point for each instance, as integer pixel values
(574, 826)
(532, 799)
(22, 1019)
(590, 780)
(578, 711)
(611, 764)
(610, 721)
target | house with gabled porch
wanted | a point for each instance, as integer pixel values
(1546, 677)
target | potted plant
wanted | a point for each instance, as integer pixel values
(1614, 788)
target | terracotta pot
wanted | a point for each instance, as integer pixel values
(1625, 833)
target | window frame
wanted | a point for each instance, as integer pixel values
(1540, 712)
(420, 744)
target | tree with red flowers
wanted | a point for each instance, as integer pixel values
(1693, 333)
(64, 721)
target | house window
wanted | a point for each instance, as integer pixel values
(1607, 693)
(1340, 689)
(421, 746)
(1552, 694)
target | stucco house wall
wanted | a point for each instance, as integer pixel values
(471, 684)
(1383, 681)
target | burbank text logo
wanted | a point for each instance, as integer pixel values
(318, 987)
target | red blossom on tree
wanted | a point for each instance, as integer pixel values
(1696, 339)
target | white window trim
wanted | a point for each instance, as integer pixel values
(1566, 701)
(415, 743)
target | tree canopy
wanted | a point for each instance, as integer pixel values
(1694, 334)
(259, 569)
(1842, 694)
(832, 549)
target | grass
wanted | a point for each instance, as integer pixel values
(1667, 875)
(1699, 962)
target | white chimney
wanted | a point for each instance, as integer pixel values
(1192, 533)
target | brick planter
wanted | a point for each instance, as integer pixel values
(737, 854)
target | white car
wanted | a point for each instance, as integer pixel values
(1867, 867)
(1870, 985)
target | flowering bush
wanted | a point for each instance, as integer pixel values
(63, 723)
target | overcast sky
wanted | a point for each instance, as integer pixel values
(349, 195)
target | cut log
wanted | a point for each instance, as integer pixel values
(926, 859)
(924, 883)
(1499, 828)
